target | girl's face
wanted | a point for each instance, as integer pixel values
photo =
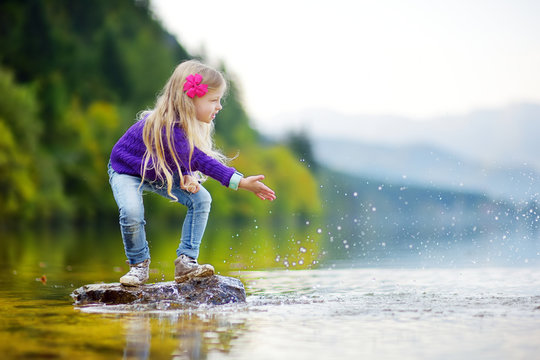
(207, 107)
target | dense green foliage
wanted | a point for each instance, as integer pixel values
(73, 76)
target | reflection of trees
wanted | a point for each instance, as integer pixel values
(180, 335)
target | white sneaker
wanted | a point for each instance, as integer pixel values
(137, 275)
(186, 268)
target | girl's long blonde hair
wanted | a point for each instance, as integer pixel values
(174, 108)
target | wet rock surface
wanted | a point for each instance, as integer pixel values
(212, 290)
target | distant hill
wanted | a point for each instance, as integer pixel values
(427, 166)
(504, 136)
(494, 152)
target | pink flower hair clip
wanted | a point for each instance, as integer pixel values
(193, 86)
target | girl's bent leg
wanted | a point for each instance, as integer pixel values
(128, 197)
(198, 205)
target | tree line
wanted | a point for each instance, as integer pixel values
(73, 76)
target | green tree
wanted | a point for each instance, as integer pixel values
(300, 144)
(19, 131)
(81, 72)
(232, 125)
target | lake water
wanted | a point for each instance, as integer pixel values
(340, 312)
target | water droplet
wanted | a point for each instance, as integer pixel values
(319, 231)
(302, 250)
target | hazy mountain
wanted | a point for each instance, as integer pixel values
(495, 151)
(428, 166)
(505, 136)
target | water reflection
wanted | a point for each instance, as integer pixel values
(138, 335)
(179, 335)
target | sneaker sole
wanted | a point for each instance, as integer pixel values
(202, 271)
(132, 283)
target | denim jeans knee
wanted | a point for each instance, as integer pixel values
(202, 200)
(128, 192)
(198, 205)
(128, 195)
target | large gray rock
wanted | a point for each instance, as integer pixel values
(213, 290)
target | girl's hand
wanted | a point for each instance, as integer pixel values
(191, 184)
(254, 184)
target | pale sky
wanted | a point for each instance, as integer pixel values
(414, 58)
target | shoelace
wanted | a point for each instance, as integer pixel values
(136, 270)
(190, 260)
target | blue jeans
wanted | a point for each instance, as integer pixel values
(128, 195)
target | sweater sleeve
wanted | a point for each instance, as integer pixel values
(200, 161)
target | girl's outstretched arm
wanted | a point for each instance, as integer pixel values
(254, 184)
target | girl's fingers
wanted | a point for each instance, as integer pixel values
(267, 196)
(261, 196)
(267, 189)
(262, 191)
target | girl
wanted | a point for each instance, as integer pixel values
(165, 152)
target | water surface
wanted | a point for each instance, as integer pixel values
(344, 313)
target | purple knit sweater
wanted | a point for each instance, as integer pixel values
(128, 152)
